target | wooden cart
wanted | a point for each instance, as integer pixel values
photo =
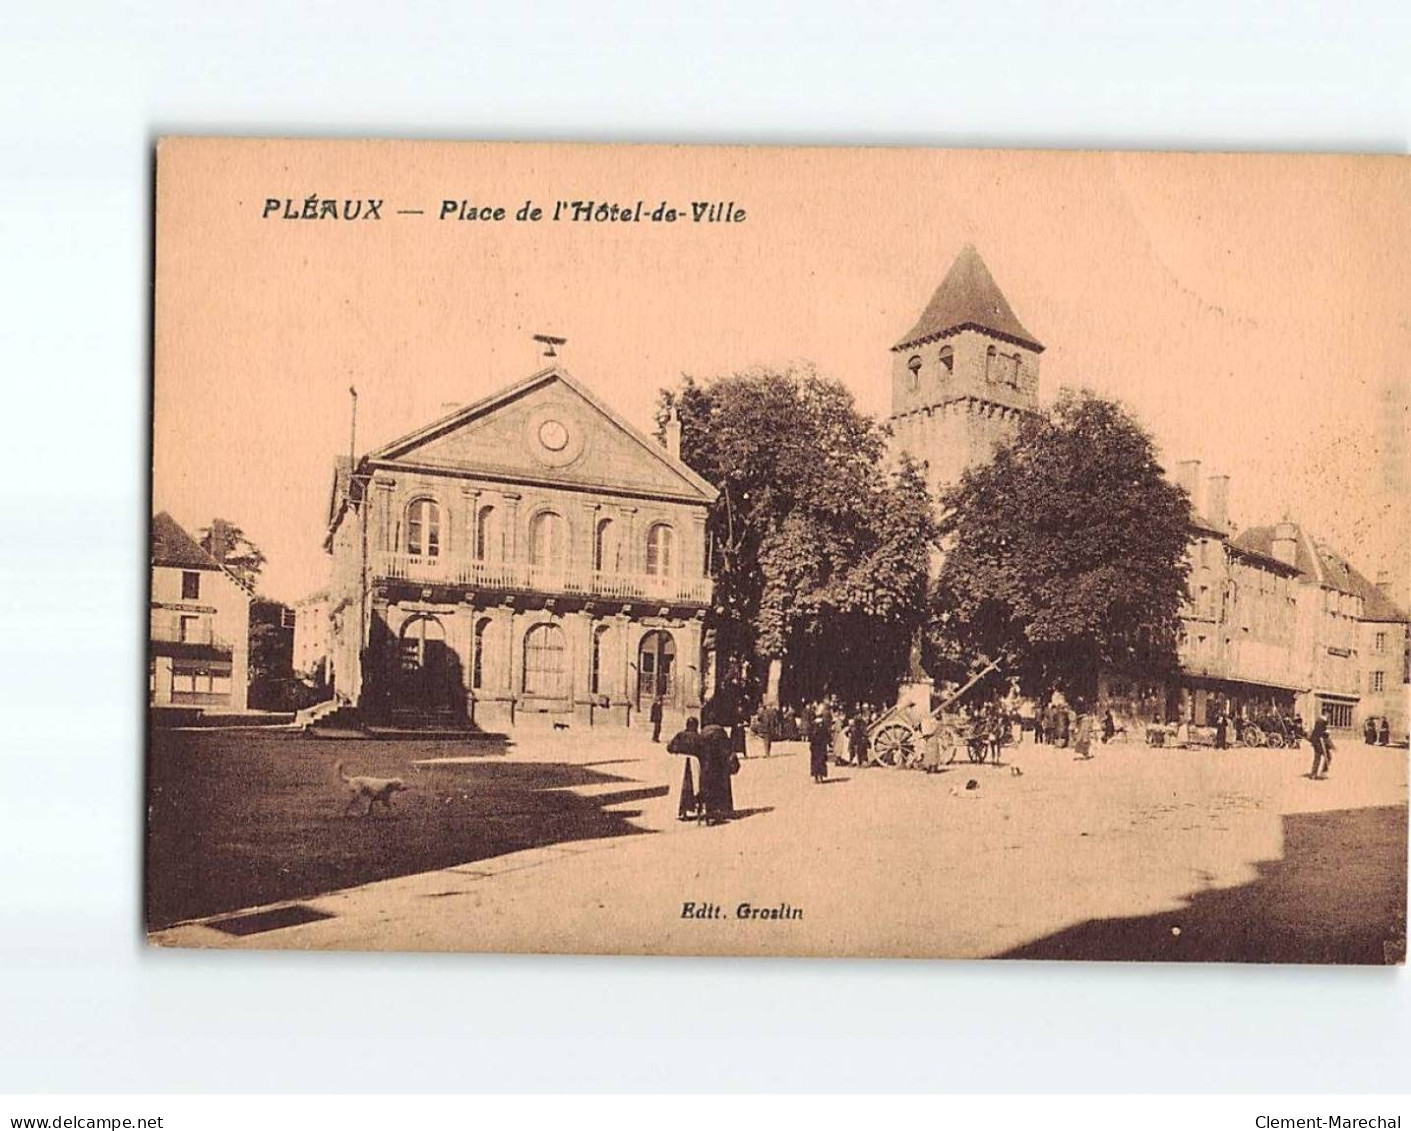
(896, 737)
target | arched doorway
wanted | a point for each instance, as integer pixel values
(545, 662)
(424, 663)
(656, 668)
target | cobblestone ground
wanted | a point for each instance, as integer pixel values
(1139, 854)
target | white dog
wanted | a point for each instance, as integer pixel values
(373, 789)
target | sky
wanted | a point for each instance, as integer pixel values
(1253, 311)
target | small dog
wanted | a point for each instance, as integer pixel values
(373, 789)
(560, 726)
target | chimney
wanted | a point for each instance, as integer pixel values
(1217, 502)
(1188, 476)
(1285, 544)
(673, 434)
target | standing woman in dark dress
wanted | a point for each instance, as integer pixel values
(717, 795)
(820, 739)
(687, 743)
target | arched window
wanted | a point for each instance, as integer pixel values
(948, 359)
(544, 653)
(914, 366)
(546, 539)
(489, 542)
(1015, 363)
(477, 661)
(597, 685)
(424, 528)
(990, 355)
(661, 550)
(605, 552)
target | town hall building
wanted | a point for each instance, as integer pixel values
(529, 556)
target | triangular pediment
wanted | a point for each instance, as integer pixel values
(548, 428)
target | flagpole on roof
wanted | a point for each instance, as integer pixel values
(353, 431)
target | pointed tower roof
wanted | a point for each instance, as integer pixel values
(968, 297)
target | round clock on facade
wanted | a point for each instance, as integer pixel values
(553, 435)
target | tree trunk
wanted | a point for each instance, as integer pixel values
(771, 691)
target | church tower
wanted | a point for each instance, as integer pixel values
(964, 376)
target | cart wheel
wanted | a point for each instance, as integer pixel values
(893, 745)
(1253, 736)
(1275, 740)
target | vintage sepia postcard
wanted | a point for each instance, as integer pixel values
(665, 550)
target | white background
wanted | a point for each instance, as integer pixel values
(84, 89)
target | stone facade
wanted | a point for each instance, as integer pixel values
(311, 634)
(1385, 647)
(199, 631)
(963, 377)
(529, 557)
(1273, 621)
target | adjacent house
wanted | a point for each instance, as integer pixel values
(1384, 644)
(1274, 622)
(198, 646)
(530, 555)
(311, 635)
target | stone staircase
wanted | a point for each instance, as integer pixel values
(332, 714)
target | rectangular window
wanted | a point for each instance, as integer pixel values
(1381, 642)
(1379, 681)
(189, 631)
(1338, 714)
(190, 585)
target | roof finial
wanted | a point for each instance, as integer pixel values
(549, 342)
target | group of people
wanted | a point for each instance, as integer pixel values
(707, 795)
(1058, 725)
(825, 728)
(839, 735)
(1290, 727)
(1377, 734)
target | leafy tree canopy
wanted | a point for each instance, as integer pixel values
(1066, 554)
(820, 554)
(227, 543)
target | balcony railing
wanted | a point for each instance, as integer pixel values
(520, 577)
(201, 643)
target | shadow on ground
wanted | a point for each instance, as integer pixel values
(238, 820)
(1337, 895)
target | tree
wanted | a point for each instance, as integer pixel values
(819, 553)
(1066, 555)
(227, 543)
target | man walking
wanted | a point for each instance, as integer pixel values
(1322, 749)
(857, 740)
(655, 717)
